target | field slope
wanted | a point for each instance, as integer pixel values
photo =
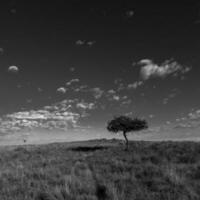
(99, 170)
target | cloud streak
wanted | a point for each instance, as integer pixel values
(135, 85)
(62, 115)
(89, 43)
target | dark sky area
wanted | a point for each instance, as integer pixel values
(75, 64)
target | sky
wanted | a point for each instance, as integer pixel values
(72, 65)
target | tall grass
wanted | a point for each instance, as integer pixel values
(101, 171)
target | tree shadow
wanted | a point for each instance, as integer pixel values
(101, 192)
(87, 148)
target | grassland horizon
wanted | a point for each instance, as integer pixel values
(101, 169)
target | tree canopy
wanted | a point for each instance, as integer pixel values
(126, 124)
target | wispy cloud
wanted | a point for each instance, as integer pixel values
(151, 116)
(129, 13)
(110, 92)
(72, 81)
(135, 85)
(120, 84)
(1, 51)
(194, 115)
(85, 106)
(171, 96)
(89, 43)
(61, 115)
(97, 92)
(80, 42)
(191, 120)
(81, 88)
(72, 69)
(39, 89)
(116, 97)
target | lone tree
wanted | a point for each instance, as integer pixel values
(126, 124)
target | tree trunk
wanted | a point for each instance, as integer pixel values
(126, 140)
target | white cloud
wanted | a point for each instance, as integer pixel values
(119, 83)
(82, 88)
(130, 13)
(91, 43)
(72, 69)
(13, 69)
(127, 102)
(1, 51)
(80, 42)
(116, 97)
(165, 101)
(39, 89)
(191, 120)
(62, 90)
(151, 116)
(111, 91)
(194, 115)
(85, 106)
(61, 115)
(135, 85)
(171, 96)
(72, 81)
(33, 115)
(150, 69)
(29, 100)
(97, 92)
(40, 119)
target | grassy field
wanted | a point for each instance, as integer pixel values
(99, 170)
